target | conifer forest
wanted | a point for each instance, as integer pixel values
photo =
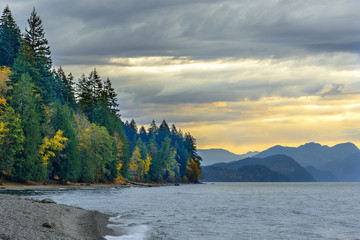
(56, 126)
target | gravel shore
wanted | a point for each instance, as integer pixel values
(32, 220)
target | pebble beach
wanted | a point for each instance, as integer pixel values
(22, 218)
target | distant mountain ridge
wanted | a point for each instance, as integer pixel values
(325, 164)
(217, 155)
(313, 154)
(280, 165)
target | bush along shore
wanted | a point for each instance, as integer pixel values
(54, 127)
(32, 220)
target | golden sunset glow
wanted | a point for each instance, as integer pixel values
(249, 104)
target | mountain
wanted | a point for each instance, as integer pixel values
(280, 164)
(313, 154)
(248, 173)
(216, 155)
(347, 169)
(322, 176)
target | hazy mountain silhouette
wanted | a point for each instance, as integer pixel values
(346, 169)
(217, 155)
(280, 164)
(322, 176)
(248, 173)
(313, 154)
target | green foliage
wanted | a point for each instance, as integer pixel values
(25, 63)
(67, 165)
(24, 102)
(11, 140)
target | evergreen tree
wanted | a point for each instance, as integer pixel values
(163, 132)
(11, 140)
(67, 165)
(35, 37)
(109, 96)
(143, 135)
(25, 64)
(152, 130)
(132, 134)
(25, 103)
(90, 94)
(10, 38)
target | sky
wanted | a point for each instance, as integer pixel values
(241, 75)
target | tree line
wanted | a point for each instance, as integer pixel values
(52, 127)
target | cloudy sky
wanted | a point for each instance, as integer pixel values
(241, 75)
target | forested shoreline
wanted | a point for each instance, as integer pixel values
(54, 127)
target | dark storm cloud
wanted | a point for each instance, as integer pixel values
(198, 29)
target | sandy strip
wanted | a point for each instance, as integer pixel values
(29, 219)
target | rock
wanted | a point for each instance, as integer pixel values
(47, 200)
(49, 225)
(4, 237)
(28, 182)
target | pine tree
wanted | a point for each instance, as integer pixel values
(25, 64)
(152, 130)
(25, 103)
(109, 97)
(10, 38)
(143, 134)
(35, 37)
(163, 132)
(65, 89)
(67, 165)
(90, 94)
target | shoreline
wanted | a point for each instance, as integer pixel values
(22, 218)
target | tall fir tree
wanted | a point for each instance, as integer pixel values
(109, 97)
(35, 36)
(25, 64)
(25, 103)
(10, 38)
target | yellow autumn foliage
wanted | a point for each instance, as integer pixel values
(4, 78)
(50, 145)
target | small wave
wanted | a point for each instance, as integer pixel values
(133, 232)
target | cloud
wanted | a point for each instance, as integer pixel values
(241, 74)
(88, 32)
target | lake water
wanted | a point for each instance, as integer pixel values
(225, 210)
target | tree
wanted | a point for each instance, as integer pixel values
(143, 134)
(24, 102)
(193, 171)
(25, 64)
(109, 97)
(152, 130)
(50, 146)
(11, 140)
(35, 37)
(134, 164)
(163, 131)
(4, 82)
(90, 92)
(10, 38)
(67, 164)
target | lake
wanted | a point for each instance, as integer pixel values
(224, 210)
